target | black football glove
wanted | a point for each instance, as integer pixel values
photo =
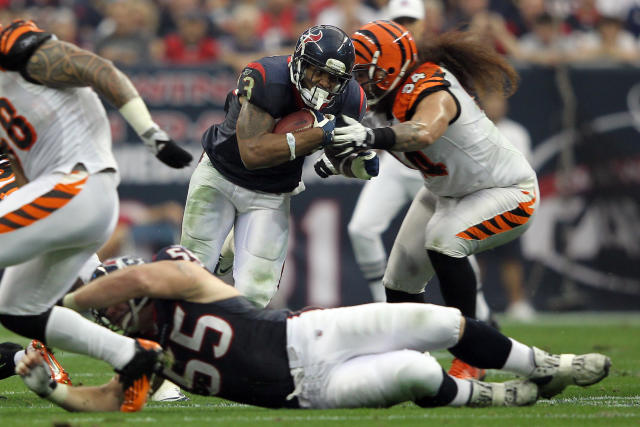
(165, 149)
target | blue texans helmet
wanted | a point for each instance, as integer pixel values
(176, 253)
(329, 49)
(128, 323)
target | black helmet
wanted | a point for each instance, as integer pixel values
(330, 49)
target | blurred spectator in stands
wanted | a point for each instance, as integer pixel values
(281, 23)
(525, 19)
(489, 26)
(126, 34)
(62, 22)
(510, 255)
(191, 43)
(244, 43)
(584, 15)
(610, 42)
(143, 230)
(170, 11)
(434, 18)
(348, 15)
(408, 13)
(461, 12)
(221, 14)
(545, 44)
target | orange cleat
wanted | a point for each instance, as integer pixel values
(58, 374)
(464, 371)
(136, 376)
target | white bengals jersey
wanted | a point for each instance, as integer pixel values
(52, 130)
(472, 154)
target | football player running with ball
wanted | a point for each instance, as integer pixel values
(55, 131)
(486, 193)
(372, 355)
(248, 173)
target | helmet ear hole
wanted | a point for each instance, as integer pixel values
(391, 70)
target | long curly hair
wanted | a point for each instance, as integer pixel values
(478, 66)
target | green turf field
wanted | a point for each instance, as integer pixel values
(613, 402)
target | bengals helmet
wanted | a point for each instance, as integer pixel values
(385, 51)
(329, 49)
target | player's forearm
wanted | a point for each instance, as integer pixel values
(59, 64)
(105, 398)
(271, 149)
(413, 136)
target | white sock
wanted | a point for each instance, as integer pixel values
(69, 331)
(18, 357)
(464, 392)
(520, 360)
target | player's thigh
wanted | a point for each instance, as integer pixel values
(382, 380)
(338, 334)
(479, 221)
(380, 201)
(208, 215)
(409, 268)
(57, 211)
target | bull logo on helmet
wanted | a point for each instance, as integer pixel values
(311, 37)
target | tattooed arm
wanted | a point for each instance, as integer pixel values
(61, 65)
(259, 148)
(430, 121)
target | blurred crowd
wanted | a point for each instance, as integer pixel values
(196, 32)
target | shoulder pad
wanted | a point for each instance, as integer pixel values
(18, 42)
(424, 80)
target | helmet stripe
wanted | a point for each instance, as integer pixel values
(370, 35)
(405, 39)
(364, 46)
(397, 39)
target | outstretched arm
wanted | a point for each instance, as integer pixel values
(61, 65)
(107, 397)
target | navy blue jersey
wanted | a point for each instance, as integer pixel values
(266, 84)
(228, 348)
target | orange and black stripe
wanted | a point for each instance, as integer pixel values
(7, 179)
(375, 33)
(11, 34)
(500, 223)
(43, 206)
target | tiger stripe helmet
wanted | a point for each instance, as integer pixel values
(385, 51)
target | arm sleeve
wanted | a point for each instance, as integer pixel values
(18, 42)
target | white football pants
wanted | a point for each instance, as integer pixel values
(453, 226)
(49, 229)
(369, 355)
(215, 205)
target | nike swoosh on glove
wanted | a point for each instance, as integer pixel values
(165, 149)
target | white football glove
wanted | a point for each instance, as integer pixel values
(164, 148)
(37, 378)
(366, 165)
(325, 121)
(350, 138)
(324, 168)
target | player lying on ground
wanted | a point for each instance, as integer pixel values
(375, 355)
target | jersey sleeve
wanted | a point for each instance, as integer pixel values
(425, 80)
(18, 42)
(255, 86)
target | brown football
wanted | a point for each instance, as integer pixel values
(295, 122)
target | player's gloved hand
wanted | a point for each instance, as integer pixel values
(324, 168)
(366, 165)
(356, 137)
(165, 149)
(327, 122)
(36, 375)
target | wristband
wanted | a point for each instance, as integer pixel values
(58, 393)
(383, 138)
(291, 142)
(69, 301)
(136, 113)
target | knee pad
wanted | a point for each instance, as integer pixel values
(30, 326)
(420, 373)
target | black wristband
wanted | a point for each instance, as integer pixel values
(383, 138)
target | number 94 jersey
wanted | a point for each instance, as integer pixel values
(228, 349)
(472, 154)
